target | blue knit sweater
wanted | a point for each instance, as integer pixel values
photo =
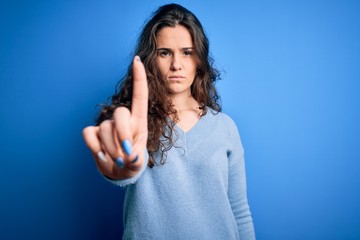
(199, 193)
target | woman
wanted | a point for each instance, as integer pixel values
(164, 137)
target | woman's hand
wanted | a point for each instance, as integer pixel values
(118, 145)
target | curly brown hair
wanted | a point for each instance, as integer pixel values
(159, 105)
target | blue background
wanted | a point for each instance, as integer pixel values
(291, 81)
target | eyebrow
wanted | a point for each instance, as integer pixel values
(169, 49)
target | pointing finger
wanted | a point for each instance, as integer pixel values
(140, 90)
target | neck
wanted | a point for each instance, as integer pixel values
(187, 111)
(184, 102)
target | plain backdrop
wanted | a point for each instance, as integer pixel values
(290, 80)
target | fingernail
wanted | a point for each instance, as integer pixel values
(120, 162)
(101, 156)
(137, 58)
(126, 145)
(135, 159)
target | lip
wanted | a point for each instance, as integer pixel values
(176, 77)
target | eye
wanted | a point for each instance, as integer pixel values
(164, 53)
(188, 53)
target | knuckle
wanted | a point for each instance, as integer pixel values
(120, 111)
(106, 126)
(117, 111)
(87, 130)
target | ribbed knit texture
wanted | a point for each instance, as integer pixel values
(199, 193)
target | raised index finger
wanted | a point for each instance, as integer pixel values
(139, 105)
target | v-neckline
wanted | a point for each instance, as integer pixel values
(177, 126)
(194, 127)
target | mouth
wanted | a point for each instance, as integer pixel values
(176, 78)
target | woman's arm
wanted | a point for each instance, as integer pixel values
(118, 145)
(237, 187)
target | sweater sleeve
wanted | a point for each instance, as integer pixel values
(132, 180)
(237, 187)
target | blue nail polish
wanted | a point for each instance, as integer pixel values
(120, 162)
(126, 145)
(135, 159)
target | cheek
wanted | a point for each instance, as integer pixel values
(162, 66)
(193, 69)
(193, 65)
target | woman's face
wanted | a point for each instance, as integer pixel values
(175, 58)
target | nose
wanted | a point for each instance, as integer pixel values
(175, 63)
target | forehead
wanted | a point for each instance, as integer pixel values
(177, 36)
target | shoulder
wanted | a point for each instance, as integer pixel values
(222, 119)
(222, 125)
(225, 128)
